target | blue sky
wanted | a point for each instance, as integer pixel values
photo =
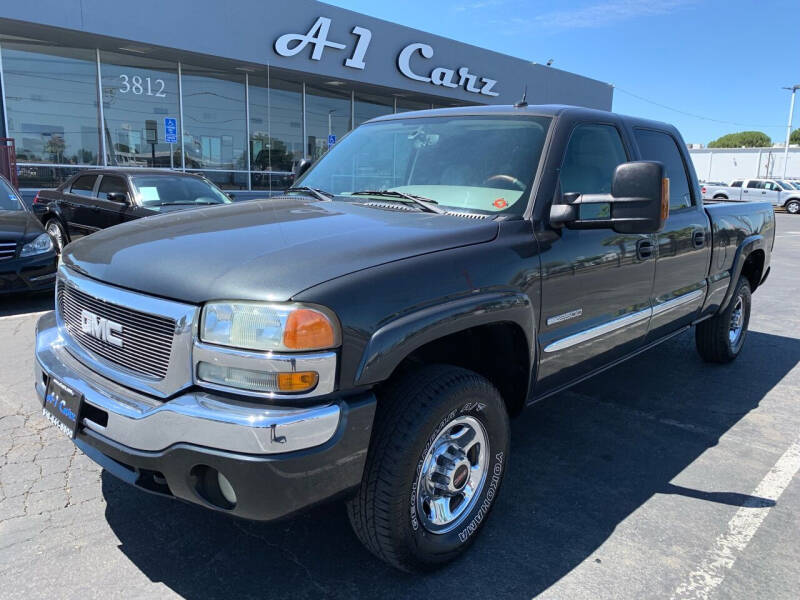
(717, 60)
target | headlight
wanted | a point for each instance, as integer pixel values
(268, 327)
(43, 243)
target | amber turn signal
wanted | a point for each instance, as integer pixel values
(297, 382)
(308, 329)
(664, 198)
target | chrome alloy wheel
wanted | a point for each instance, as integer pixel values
(453, 474)
(54, 229)
(737, 320)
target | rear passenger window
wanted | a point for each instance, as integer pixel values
(592, 154)
(83, 185)
(736, 184)
(754, 185)
(659, 146)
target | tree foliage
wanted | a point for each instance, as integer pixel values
(795, 137)
(742, 139)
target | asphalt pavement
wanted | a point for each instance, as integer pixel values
(662, 478)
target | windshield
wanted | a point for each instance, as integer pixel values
(785, 185)
(163, 190)
(9, 199)
(484, 164)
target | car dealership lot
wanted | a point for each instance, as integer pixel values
(664, 477)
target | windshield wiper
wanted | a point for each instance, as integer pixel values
(426, 203)
(316, 192)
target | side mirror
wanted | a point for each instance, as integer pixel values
(638, 202)
(120, 197)
(303, 166)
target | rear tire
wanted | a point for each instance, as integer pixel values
(436, 461)
(793, 207)
(720, 197)
(721, 338)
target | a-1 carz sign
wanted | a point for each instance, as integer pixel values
(291, 44)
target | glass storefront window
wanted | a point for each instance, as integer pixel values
(38, 177)
(327, 113)
(138, 94)
(407, 104)
(276, 130)
(214, 125)
(227, 180)
(369, 106)
(51, 103)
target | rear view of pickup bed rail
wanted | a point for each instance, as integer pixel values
(369, 334)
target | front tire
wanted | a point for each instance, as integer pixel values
(436, 460)
(53, 227)
(721, 338)
(793, 207)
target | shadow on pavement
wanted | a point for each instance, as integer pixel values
(20, 304)
(581, 462)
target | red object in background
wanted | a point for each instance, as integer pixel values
(500, 203)
(8, 160)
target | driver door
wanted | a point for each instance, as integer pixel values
(596, 283)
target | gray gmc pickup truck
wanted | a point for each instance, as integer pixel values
(368, 335)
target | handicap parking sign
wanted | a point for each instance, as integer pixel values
(331, 140)
(170, 130)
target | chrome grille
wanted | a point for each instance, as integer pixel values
(7, 250)
(146, 339)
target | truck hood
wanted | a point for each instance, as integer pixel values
(264, 249)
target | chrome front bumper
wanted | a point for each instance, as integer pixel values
(145, 423)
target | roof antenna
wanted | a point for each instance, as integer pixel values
(524, 102)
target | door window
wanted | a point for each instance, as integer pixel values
(771, 185)
(754, 185)
(111, 185)
(83, 185)
(593, 153)
(736, 184)
(660, 146)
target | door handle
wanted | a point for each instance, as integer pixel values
(699, 239)
(644, 249)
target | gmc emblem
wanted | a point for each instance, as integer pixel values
(101, 328)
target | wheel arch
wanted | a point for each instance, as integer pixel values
(491, 334)
(750, 260)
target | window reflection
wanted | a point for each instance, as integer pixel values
(214, 119)
(227, 180)
(327, 113)
(369, 106)
(51, 103)
(276, 130)
(407, 104)
(138, 93)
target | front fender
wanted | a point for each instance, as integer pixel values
(395, 340)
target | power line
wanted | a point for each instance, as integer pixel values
(688, 114)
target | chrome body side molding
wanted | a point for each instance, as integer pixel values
(621, 322)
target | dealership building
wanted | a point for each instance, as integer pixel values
(239, 90)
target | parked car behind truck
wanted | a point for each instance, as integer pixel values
(27, 255)
(370, 335)
(775, 191)
(99, 198)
